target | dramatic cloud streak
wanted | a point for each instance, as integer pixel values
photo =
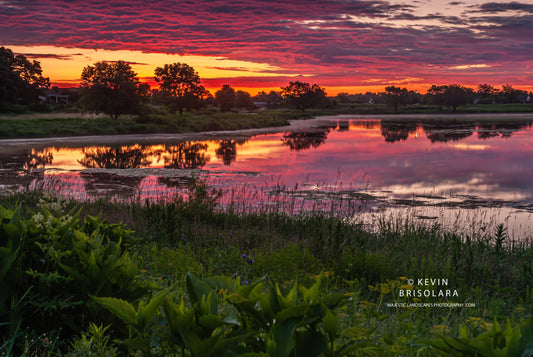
(335, 42)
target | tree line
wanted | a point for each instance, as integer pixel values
(113, 88)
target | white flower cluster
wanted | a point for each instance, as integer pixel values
(48, 221)
(54, 202)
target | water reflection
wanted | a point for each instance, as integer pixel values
(124, 157)
(109, 184)
(184, 155)
(393, 130)
(37, 160)
(390, 162)
(227, 150)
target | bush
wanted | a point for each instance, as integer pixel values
(52, 263)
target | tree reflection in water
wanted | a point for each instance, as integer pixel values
(503, 129)
(445, 131)
(184, 155)
(393, 130)
(37, 160)
(24, 168)
(124, 157)
(227, 150)
(304, 140)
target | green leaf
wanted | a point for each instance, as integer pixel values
(223, 282)
(149, 311)
(331, 324)
(311, 295)
(120, 308)
(280, 339)
(196, 288)
(209, 304)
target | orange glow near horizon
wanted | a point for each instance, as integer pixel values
(64, 66)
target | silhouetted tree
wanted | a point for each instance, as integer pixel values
(456, 95)
(487, 93)
(225, 97)
(273, 99)
(243, 100)
(396, 96)
(21, 81)
(304, 95)
(180, 87)
(451, 95)
(435, 95)
(112, 88)
(510, 95)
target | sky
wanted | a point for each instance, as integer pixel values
(350, 46)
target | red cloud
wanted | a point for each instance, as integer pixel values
(334, 41)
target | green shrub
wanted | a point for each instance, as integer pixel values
(50, 265)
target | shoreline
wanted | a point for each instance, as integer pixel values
(294, 125)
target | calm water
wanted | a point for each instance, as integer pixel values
(455, 173)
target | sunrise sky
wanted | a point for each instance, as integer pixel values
(343, 45)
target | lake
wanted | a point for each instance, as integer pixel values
(466, 173)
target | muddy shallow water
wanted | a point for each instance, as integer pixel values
(465, 172)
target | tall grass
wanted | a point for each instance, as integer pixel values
(197, 234)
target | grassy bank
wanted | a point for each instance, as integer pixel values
(31, 127)
(64, 124)
(272, 265)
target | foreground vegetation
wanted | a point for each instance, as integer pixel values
(188, 278)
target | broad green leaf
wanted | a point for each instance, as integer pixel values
(120, 308)
(331, 324)
(210, 322)
(209, 304)
(311, 295)
(223, 282)
(148, 312)
(196, 288)
(280, 339)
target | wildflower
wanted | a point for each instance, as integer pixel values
(246, 282)
(251, 261)
(243, 256)
(440, 329)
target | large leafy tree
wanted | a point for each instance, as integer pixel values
(303, 95)
(244, 100)
(112, 88)
(451, 95)
(180, 87)
(225, 97)
(396, 96)
(21, 81)
(455, 95)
